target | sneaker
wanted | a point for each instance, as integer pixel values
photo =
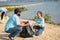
(11, 38)
(34, 36)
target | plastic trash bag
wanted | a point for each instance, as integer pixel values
(26, 32)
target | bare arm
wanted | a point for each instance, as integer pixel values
(39, 24)
(36, 24)
(23, 24)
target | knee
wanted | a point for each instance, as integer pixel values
(34, 27)
(19, 29)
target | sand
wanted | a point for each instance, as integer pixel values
(51, 32)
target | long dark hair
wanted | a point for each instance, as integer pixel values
(40, 13)
(2, 14)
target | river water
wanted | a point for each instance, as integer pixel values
(50, 8)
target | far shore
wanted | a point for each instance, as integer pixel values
(18, 6)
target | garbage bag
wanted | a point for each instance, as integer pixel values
(26, 32)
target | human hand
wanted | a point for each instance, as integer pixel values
(27, 24)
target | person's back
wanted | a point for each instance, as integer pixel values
(3, 17)
(13, 25)
(11, 22)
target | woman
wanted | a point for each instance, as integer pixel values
(3, 17)
(39, 25)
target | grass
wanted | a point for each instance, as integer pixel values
(58, 24)
(5, 5)
(12, 9)
(22, 9)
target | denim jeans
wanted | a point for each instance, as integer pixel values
(14, 31)
(40, 30)
(30, 31)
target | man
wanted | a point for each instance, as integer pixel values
(13, 25)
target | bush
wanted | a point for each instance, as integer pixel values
(52, 22)
(35, 17)
(22, 9)
(47, 17)
(58, 24)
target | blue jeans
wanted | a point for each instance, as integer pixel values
(14, 31)
(40, 30)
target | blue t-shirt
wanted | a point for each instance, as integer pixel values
(40, 21)
(12, 22)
